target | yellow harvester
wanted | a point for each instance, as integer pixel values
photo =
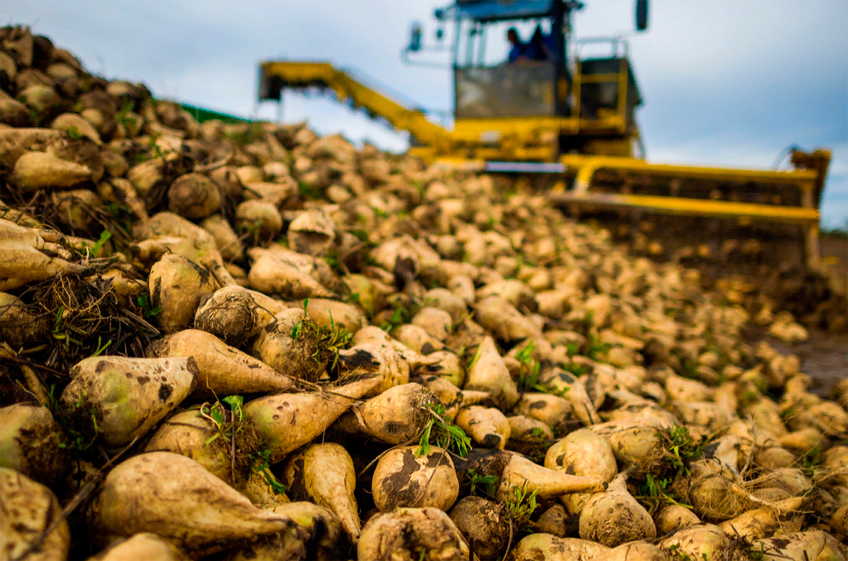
(551, 111)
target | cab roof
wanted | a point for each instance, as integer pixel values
(496, 10)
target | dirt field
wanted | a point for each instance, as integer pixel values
(825, 355)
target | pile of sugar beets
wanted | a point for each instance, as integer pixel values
(244, 341)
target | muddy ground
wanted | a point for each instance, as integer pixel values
(811, 300)
(824, 357)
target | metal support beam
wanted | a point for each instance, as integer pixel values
(693, 207)
(586, 166)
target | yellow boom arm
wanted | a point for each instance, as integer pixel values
(346, 87)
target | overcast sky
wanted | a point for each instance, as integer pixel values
(725, 82)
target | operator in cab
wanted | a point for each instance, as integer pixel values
(538, 48)
(516, 53)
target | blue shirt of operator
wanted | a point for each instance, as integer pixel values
(518, 48)
(516, 52)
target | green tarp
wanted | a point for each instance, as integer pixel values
(203, 115)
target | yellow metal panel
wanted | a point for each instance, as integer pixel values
(618, 147)
(511, 153)
(587, 165)
(473, 128)
(599, 78)
(469, 130)
(299, 72)
(461, 157)
(424, 152)
(693, 207)
(461, 163)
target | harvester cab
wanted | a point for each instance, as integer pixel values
(539, 100)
